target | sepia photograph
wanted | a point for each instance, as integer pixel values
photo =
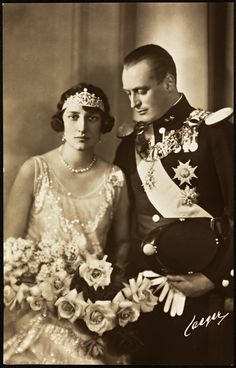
(118, 166)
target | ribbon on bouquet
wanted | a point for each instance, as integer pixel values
(174, 299)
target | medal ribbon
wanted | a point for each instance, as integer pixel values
(163, 193)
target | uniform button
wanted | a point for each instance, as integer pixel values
(232, 273)
(149, 249)
(225, 283)
(155, 218)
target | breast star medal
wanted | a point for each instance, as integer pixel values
(184, 172)
(189, 196)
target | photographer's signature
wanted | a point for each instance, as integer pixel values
(203, 322)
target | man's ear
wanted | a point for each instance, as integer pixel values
(169, 81)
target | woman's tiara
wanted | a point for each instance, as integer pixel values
(84, 98)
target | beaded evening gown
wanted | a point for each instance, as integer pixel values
(30, 337)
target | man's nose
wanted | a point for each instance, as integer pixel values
(134, 101)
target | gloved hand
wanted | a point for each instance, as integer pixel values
(193, 285)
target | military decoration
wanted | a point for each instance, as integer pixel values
(189, 196)
(189, 139)
(149, 181)
(185, 138)
(184, 172)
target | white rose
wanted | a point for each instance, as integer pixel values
(139, 291)
(128, 312)
(100, 316)
(95, 272)
(36, 302)
(71, 306)
(147, 300)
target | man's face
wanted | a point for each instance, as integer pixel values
(148, 98)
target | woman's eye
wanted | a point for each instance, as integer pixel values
(73, 117)
(93, 118)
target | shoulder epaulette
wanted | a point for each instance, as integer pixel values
(199, 116)
(196, 116)
(219, 115)
(125, 129)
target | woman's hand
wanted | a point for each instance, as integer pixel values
(193, 285)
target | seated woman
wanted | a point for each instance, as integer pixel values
(66, 197)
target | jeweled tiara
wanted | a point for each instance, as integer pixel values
(84, 98)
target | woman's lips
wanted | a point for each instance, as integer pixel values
(82, 138)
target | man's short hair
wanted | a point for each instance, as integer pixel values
(161, 60)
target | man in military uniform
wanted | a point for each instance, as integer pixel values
(178, 165)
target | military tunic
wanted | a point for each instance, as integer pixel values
(206, 173)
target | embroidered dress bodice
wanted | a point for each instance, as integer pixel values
(57, 213)
(29, 337)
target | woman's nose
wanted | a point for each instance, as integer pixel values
(81, 124)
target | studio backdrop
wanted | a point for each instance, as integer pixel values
(49, 47)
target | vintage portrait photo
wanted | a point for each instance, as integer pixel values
(118, 183)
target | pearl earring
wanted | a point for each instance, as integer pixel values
(63, 139)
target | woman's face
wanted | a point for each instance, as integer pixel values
(81, 128)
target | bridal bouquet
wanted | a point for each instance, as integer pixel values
(63, 278)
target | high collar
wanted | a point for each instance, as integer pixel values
(175, 116)
(172, 119)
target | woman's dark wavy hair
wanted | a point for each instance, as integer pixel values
(107, 120)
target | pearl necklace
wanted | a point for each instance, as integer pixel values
(77, 171)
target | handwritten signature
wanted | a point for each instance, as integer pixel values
(203, 322)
